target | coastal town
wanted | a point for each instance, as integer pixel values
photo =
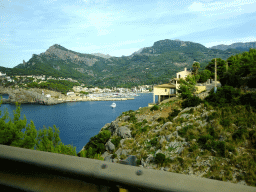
(77, 93)
(27, 94)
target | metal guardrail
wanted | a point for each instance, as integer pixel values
(32, 170)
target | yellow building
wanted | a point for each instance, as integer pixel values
(164, 91)
(168, 90)
(180, 75)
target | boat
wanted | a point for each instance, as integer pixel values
(113, 105)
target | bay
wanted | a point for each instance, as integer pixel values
(78, 121)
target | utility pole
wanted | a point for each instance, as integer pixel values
(215, 88)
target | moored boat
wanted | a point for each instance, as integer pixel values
(113, 105)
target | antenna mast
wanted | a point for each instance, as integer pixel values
(215, 88)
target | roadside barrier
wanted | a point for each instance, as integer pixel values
(31, 170)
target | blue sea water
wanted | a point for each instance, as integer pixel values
(78, 121)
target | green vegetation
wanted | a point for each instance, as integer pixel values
(14, 132)
(173, 114)
(83, 92)
(204, 76)
(154, 108)
(226, 136)
(159, 158)
(148, 67)
(62, 86)
(96, 145)
(187, 87)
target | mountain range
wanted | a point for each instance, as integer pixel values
(149, 65)
(238, 46)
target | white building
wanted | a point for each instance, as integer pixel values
(2, 74)
(71, 94)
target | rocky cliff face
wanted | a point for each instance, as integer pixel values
(33, 96)
(143, 134)
(65, 54)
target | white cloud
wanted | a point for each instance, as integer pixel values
(218, 5)
(197, 6)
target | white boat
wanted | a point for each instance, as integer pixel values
(113, 105)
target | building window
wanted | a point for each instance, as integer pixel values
(165, 90)
(179, 76)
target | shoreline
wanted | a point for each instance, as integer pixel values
(34, 96)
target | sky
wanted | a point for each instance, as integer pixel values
(118, 27)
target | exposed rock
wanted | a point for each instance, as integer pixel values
(201, 124)
(124, 132)
(162, 140)
(242, 182)
(120, 152)
(168, 137)
(178, 128)
(186, 109)
(113, 126)
(110, 146)
(32, 95)
(125, 118)
(166, 125)
(108, 158)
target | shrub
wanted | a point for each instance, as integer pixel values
(225, 122)
(220, 147)
(114, 156)
(123, 157)
(153, 142)
(192, 101)
(224, 95)
(173, 114)
(97, 143)
(212, 132)
(144, 121)
(181, 160)
(83, 153)
(214, 115)
(252, 137)
(182, 120)
(182, 132)
(191, 111)
(116, 141)
(138, 162)
(193, 148)
(159, 158)
(240, 134)
(231, 148)
(132, 119)
(248, 99)
(154, 108)
(161, 120)
(144, 129)
(203, 140)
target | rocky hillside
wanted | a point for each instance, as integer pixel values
(238, 46)
(198, 141)
(32, 96)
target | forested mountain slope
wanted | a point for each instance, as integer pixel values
(150, 65)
